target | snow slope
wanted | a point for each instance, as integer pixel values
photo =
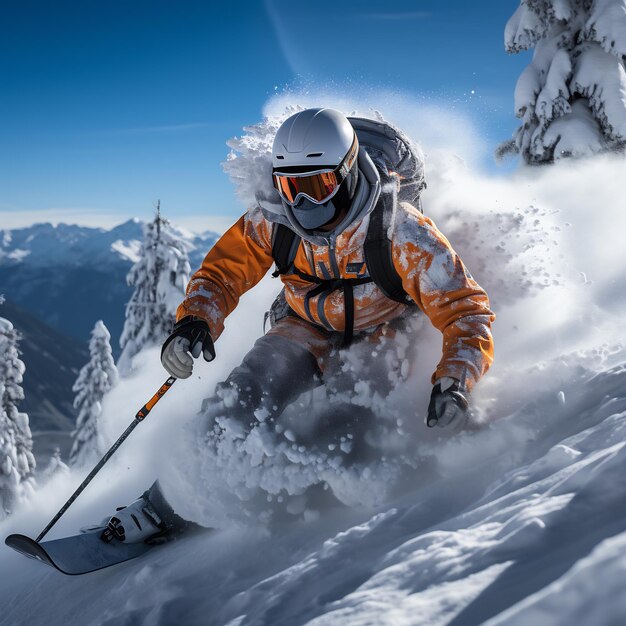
(519, 521)
(526, 524)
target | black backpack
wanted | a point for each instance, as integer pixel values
(391, 152)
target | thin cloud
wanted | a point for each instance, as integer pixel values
(282, 37)
(405, 15)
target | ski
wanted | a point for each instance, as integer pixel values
(77, 554)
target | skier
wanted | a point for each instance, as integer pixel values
(354, 262)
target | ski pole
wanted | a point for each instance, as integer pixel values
(141, 415)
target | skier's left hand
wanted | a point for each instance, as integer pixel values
(448, 406)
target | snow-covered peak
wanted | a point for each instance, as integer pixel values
(127, 249)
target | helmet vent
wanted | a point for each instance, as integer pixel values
(280, 156)
(315, 154)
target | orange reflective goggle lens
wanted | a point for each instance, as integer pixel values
(317, 187)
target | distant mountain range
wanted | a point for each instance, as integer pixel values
(70, 276)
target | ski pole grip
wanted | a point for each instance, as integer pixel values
(148, 406)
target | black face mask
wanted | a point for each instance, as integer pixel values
(312, 216)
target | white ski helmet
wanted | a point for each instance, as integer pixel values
(314, 165)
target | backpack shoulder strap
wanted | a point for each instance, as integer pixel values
(378, 254)
(285, 243)
(377, 251)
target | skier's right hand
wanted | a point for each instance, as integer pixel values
(189, 338)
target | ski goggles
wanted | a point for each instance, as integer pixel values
(319, 186)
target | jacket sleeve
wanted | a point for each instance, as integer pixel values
(435, 277)
(237, 262)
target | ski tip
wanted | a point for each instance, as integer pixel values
(30, 548)
(24, 545)
(16, 541)
(19, 541)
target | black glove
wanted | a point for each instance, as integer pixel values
(448, 406)
(190, 337)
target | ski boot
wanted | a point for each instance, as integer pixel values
(148, 519)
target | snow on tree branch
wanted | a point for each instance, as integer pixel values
(607, 26)
(572, 97)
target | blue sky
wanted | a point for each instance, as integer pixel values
(107, 106)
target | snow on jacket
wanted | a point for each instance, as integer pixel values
(432, 274)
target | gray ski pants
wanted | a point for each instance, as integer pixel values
(271, 376)
(294, 357)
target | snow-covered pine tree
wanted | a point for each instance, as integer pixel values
(17, 462)
(159, 278)
(572, 97)
(55, 466)
(97, 377)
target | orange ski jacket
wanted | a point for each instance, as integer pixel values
(431, 271)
